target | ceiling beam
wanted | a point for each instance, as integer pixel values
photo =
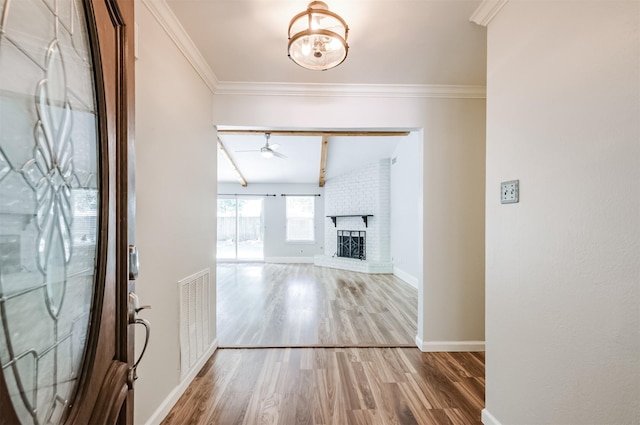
(351, 133)
(224, 152)
(323, 159)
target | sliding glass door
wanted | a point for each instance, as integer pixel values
(240, 229)
(227, 228)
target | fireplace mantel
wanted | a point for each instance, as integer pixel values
(365, 218)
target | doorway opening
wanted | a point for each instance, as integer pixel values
(292, 298)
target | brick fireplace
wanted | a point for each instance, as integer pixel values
(360, 201)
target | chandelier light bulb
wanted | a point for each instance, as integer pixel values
(318, 38)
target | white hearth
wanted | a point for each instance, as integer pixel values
(352, 264)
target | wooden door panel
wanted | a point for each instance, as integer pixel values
(109, 387)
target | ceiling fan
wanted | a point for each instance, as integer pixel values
(268, 150)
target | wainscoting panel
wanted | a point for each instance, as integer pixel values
(195, 293)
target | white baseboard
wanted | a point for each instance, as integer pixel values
(488, 418)
(401, 274)
(288, 260)
(165, 407)
(449, 346)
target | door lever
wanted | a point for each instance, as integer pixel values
(143, 307)
(134, 309)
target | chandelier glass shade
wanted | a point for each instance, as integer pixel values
(318, 38)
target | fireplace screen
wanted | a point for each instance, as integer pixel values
(352, 244)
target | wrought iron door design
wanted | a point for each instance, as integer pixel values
(49, 208)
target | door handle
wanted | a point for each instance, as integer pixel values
(134, 309)
(133, 371)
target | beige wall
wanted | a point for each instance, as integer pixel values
(451, 300)
(563, 265)
(176, 199)
(453, 233)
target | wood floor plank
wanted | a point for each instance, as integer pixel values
(304, 398)
(333, 386)
(295, 305)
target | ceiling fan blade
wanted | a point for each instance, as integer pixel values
(274, 145)
(279, 155)
(253, 150)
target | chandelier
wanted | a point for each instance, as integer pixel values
(318, 38)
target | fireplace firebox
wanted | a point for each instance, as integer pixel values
(352, 244)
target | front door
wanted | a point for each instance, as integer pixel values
(66, 105)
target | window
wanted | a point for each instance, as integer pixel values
(300, 218)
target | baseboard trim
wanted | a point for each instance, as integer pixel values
(165, 407)
(289, 260)
(489, 419)
(449, 346)
(298, 346)
(408, 278)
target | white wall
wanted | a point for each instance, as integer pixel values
(451, 306)
(563, 269)
(176, 199)
(276, 247)
(405, 200)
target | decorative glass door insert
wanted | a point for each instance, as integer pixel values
(49, 209)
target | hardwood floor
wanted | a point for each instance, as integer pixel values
(275, 305)
(359, 386)
(302, 305)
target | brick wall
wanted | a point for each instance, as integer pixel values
(361, 191)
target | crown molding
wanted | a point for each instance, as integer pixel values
(174, 29)
(351, 90)
(487, 10)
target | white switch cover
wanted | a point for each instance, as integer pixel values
(509, 192)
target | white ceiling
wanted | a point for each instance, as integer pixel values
(390, 41)
(302, 164)
(397, 42)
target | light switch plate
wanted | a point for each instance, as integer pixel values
(509, 192)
